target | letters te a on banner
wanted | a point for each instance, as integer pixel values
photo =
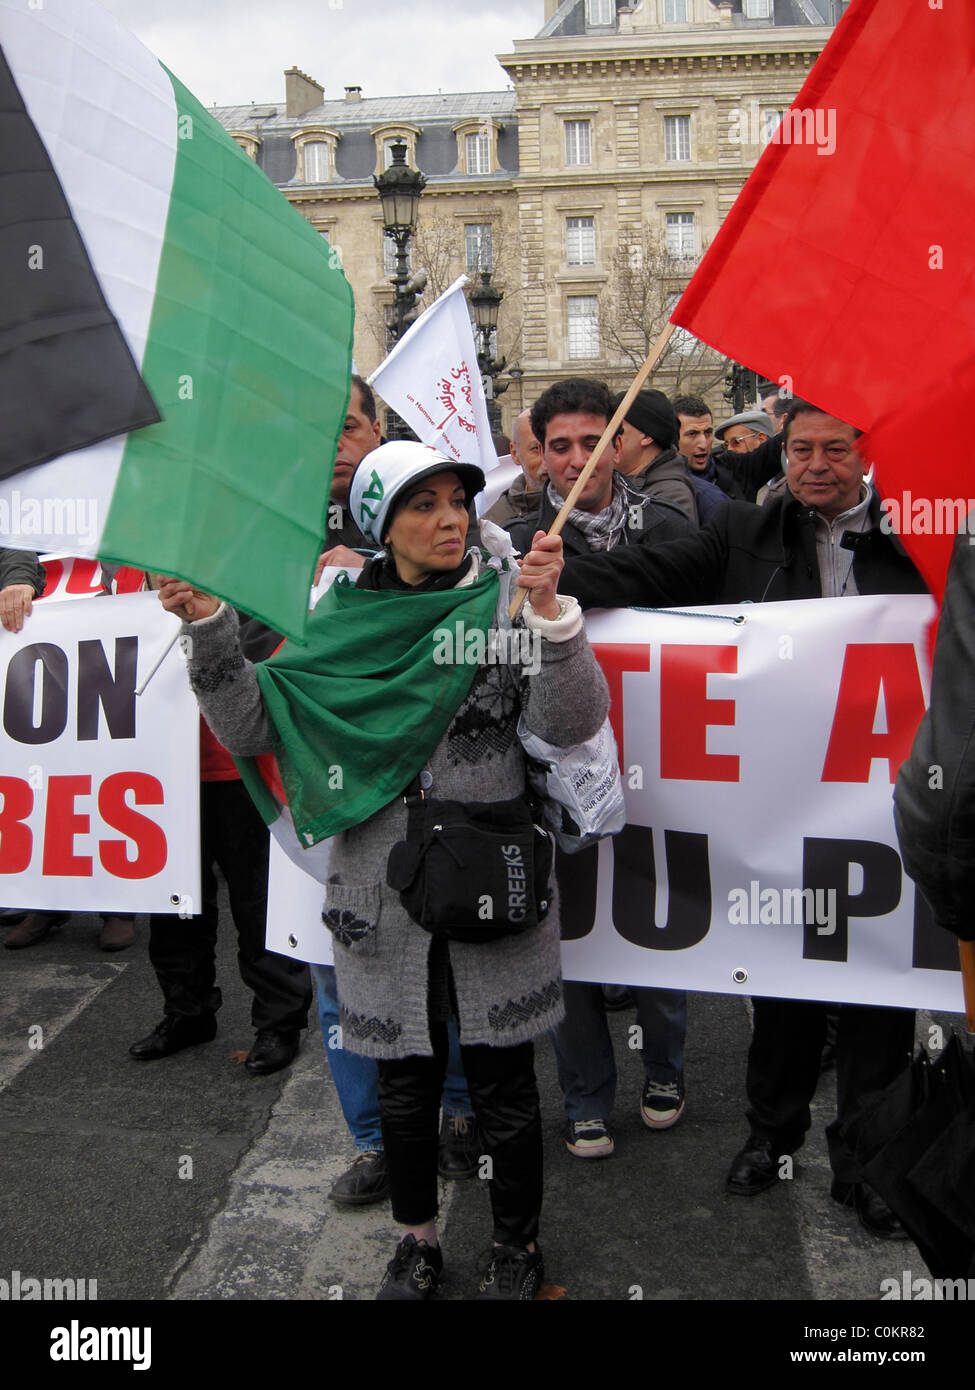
(760, 855)
(99, 787)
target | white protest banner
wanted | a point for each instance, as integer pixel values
(431, 379)
(99, 786)
(758, 747)
(295, 896)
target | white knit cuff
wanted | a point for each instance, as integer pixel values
(198, 622)
(560, 629)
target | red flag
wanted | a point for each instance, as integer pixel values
(926, 483)
(847, 261)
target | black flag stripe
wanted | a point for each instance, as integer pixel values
(67, 377)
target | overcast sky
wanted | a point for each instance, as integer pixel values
(231, 52)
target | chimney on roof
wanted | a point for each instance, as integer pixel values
(353, 93)
(302, 92)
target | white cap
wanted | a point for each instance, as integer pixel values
(385, 472)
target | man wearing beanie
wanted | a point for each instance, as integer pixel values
(651, 463)
(648, 453)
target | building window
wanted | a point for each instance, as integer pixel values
(315, 155)
(478, 147)
(758, 9)
(477, 246)
(681, 341)
(389, 256)
(600, 12)
(580, 241)
(583, 319)
(677, 137)
(578, 142)
(681, 241)
(675, 11)
(771, 120)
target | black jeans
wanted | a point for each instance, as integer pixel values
(233, 836)
(504, 1098)
(873, 1045)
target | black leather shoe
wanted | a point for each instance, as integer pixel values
(365, 1182)
(174, 1033)
(459, 1152)
(272, 1050)
(873, 1213)
(755, 1169)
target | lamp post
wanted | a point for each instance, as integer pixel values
(740, 386)
(399, 188)
(485, 300)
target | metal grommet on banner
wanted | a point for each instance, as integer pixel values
(739, 976)
(739, 620)
(175, 899)
(293, 941)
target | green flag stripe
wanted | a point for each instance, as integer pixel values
(248, 358)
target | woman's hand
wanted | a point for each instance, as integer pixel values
(179, 597)
(341, 556)
(540, 570)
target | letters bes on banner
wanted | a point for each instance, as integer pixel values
(99, 787)
(759, 856)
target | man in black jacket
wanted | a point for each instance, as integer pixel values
(821, 538)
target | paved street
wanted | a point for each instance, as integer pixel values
(189, 1179)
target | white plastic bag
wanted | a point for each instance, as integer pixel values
(580, 786)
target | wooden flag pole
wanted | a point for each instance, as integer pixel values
(556, 527)
(966, 953)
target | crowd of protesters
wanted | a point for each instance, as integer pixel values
(676, 512)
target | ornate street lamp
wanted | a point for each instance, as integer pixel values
(399, 187)
(485, 300)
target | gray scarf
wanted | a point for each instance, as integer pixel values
(602, 530)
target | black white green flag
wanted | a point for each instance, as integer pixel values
(232, 306)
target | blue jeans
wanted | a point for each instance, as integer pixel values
(584, 1048)
(355, 1076)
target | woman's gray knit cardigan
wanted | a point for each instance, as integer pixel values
(507, 991)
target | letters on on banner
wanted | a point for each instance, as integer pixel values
(758, 745)
(99, 785)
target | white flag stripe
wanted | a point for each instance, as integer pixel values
(432, 380)
(105, 110)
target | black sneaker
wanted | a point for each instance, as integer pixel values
(459, 1152)
(662, 1103)
(511, 1274)
(366, 1181)
(414, 1272)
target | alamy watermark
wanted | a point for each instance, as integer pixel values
(25, 1288)
(924, 1290)
(751, 125)
(908, 515)
(21, 515)
(756, 906)
(510, 646)
(77, 1343)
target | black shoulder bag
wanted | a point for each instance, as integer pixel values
(472, 871)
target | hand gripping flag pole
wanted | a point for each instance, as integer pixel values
(555, 529)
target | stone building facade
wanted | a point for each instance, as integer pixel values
(598, 178)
